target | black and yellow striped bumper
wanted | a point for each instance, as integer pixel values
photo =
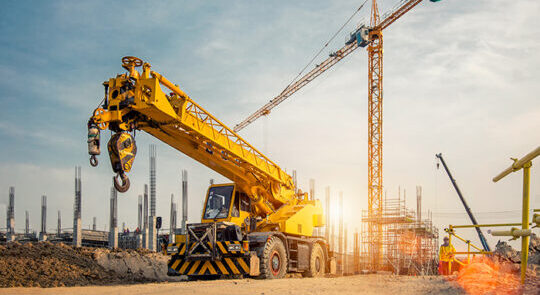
(231, 259)
(223, 248)
(227, 266)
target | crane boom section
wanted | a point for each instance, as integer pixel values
(395, 14)
(292, 88)
(136, 101)
(358, 39)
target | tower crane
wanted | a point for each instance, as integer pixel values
(372, 37)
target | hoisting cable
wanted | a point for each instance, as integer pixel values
(325, 45)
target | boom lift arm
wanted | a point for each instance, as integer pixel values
(136, 101)
(467, 208)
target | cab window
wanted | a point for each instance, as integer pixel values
(218, 203)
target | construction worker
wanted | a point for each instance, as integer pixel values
(446, 257)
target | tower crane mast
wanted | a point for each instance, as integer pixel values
(371, 37)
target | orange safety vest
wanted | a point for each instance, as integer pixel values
(445, 253)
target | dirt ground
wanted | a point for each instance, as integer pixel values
(26, 268)
(361, 284)
(56, 265)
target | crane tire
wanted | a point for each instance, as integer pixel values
(317, 263)
(274, 259)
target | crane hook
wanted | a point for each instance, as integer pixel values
(93, 161)
(125, 182)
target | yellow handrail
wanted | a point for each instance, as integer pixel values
(524, 163)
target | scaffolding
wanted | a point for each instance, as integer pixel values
(409, 244)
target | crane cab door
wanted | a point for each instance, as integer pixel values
(225, 203)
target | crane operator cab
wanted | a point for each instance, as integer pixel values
(220, 241)
(225, 203)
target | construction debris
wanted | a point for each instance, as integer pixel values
(46, 264)
(506, 252)
(500, 274)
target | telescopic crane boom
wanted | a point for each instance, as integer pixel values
(467, 208)
(257, 225)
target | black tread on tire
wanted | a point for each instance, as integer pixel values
(274, 251)
(316, 268)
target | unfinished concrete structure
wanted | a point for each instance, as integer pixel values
(172, 220)
(43, 231)
(59, 224)
(340, 235)
(152, 230)
(139, 213)
(145, 218)
(113, 224)
(27, 223)
(77, 230)
(185, 200)
(10, 216)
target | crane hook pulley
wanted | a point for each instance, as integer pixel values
(122, 151)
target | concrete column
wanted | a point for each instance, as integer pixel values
(356, 252)
(345, 257)
(77, 224)
(312, 189)
(327, 208)
(27, 224)
(10, 216)
(419, 203)
(340, 235)
(59, 224)
(312, 197)
(152, 231)
(140, 213)
(152, 180)
(113, 222)
(152, 234)
(332, 230)
(145, 219)
(184, 200)
(172, 220)
(419, 220)
(43, 231)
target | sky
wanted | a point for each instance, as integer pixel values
(460, 78)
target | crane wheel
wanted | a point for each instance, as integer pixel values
(101, 125)
(317, 263)
(274, 259)
(131, 60)
(125, 183)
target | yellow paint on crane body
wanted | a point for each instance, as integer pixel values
(136, 101)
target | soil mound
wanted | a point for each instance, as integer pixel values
(45, 264)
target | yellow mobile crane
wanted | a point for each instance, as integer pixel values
(259, 225)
